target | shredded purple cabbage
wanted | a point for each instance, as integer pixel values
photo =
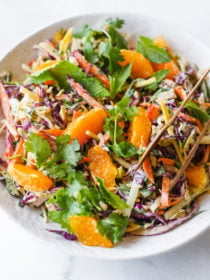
(160, 229)
(190, 70)
(171, 104)
(180, 78)
(147, 216)
(12, 90)
(65, 234)
(55, 113)
(139, 176)
(28, 196)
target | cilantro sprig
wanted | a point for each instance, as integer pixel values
(40, 147)
(121, 111)
(81, 198)
(57, 164)
(117, 39)
(114, 227)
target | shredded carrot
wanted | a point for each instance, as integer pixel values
(165, 191)
(207, 104)
(90, 69)
(19, 150)
(199, 125)
(32, 163)
(31, 62)
(84, 94)
(38, 94)
(62, 97)
(171, 202)
(147, 164)
(48, 138)
(148, 169)
(6, 108)
(54, 132)
(160, 212)
(191, 119)
(85, 159)
(196, 101)
(121, 124)
(49, 83)
(168, 161)
(8, 146)
(153, 112)
(206, 154)
(178, 91)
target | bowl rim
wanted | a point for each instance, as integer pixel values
(121, 15)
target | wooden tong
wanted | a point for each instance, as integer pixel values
(166, 126)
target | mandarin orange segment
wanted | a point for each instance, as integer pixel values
(160, 42)
(197, 176)
(45, 65)
(171, 66)
(85, 228)
(28, 178)
(58, 36)
(100, 165)
(92, 121)
(141, 67)
(140, 128)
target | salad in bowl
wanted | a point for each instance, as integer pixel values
(77, 125)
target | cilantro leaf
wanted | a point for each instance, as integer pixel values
(59, 72)
(110, 198)
(126, 112)
(113, 129)
(90, 195)
(82, 32)
(88, 47)
(113, 227)
(118, 79)
(119, 111)
(153, 53)
(124, 149)
(65, 151)
(197, 112)
(68, 206)
(117, 39)
(111, 54)
(10, 183)
(117, 23)
(159, 75)
(59, 171)
(114, 57)
(69, 152)
(39, 147)
(76, 183)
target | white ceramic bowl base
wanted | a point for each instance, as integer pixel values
(132, 247)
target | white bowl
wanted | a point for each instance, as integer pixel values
(132, 247)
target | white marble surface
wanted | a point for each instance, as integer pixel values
(24, 257)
